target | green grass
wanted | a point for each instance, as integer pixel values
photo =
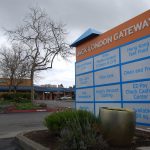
(6, 102)
(21, 105)
(26, 106)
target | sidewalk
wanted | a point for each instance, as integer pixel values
(8, 144)
(143, 128)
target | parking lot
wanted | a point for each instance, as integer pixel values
(58, 103)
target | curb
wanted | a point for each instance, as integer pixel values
(144, 147)
(144, 130)
(31, 110)
(27, 144)
(37, 110)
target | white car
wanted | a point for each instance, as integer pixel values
(66, 98)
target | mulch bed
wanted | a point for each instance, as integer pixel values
(46, 139)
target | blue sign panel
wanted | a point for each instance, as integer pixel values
(111, 92)
(110, 75)
(136, 70)
(84, 66)
(107, 59)
(136, 50)
(136, 91)
(84, 80)
(142, 112)
(85, 94)
(85, 106)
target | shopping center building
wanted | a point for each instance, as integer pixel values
(42, 92)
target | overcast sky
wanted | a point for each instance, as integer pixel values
(78, 15)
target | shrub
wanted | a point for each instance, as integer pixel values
(57, 121)
(77, 137)
(8, 96)
(18, 97)
(76, 129)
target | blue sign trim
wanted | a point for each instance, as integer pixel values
(85, 102)
(94, 89)
(136, 60)
(133, 81)
(143, 124)
(88, 101)
(109, 84)
(114, 101)
(109, 101)
(75, 88)
(133, 101)
(80, 74)
(106, 68)
(121, 91)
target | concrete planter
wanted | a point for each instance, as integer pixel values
(27, 144)
(118, 125)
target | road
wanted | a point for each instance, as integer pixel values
(9, 144)
(14, 123)
(57, 103)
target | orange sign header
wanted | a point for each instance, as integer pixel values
(128, 31)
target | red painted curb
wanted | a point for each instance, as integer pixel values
(31, 110)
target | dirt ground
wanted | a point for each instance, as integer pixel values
(44, 138)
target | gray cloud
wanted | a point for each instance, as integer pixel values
(79, 15)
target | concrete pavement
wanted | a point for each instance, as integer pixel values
(12, 124)
(9, 144)
(57, 103)
(15, 123)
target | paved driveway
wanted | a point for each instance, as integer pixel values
(12, 124)
(8, 144)
(57, 103)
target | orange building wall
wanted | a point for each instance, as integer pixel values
(5, 82)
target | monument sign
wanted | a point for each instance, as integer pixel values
(113, 68)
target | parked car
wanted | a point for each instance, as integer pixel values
(66, 98)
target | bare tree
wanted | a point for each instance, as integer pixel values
(61, 86)
(14, 65)
(43, 38)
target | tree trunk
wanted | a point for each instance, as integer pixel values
(32, 87)
(9, 91)
(15, 89)
(10, 84)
